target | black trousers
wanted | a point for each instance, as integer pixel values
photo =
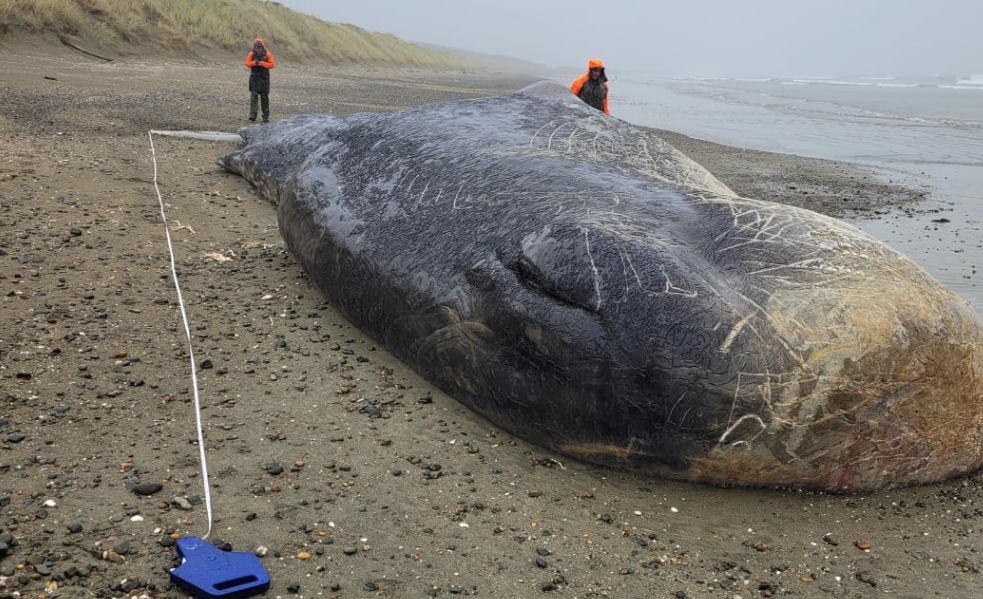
(255, 99)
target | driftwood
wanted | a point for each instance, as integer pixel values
(83, 50)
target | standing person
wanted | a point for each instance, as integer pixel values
(259, 61)
(592, 86)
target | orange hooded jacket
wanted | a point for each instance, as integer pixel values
(593, 63)
(266, 64)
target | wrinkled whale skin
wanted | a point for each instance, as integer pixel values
(583, 285)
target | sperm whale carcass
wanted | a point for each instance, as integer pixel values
(585, 286)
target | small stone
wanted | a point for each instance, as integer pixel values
(261, 551)
(183, 503)
(350, 551)
(862, 545)
(535, 492)
(74, 527)
(148, 488)
(303, 555)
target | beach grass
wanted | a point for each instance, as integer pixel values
(188, 27)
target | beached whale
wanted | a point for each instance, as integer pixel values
(588, 288)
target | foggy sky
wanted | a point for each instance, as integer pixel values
(874, 38)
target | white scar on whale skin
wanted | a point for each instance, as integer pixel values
(593, 267)
(755, 418)
(669, 417)
(454, 205)
(536, 134)
(668, 289)
(570, 140)
(549, 144)
(732, 335)
(422, 193)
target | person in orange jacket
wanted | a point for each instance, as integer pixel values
(259, 61)
(592, 86)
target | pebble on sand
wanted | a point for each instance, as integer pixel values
(148, 488)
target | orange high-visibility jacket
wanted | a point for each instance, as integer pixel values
(593, 63)
(267, 64)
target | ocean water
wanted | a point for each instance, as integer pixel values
(922, 132)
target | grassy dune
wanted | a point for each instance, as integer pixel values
(193, 27)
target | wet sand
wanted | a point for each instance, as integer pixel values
(352, 476)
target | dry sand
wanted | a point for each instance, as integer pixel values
(357, 477)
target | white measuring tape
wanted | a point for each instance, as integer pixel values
(187, 332)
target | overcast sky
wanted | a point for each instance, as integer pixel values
(692, 37)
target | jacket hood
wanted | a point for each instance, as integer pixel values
(595, 63)
(260, 40)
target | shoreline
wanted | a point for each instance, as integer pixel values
(839, 189)
(413, 497)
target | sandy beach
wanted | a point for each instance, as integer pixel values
(345, 471)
